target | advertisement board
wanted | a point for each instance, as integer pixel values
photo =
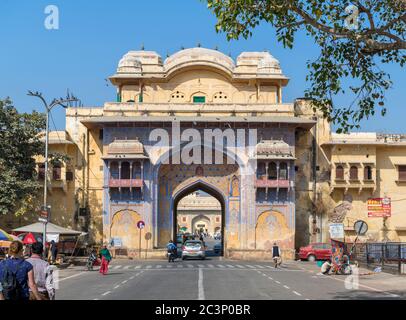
(379, 207)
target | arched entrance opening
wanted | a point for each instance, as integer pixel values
(211, 224)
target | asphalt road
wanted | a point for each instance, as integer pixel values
(213, 279)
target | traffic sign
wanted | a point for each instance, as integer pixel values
(140, 224)
(360, 227)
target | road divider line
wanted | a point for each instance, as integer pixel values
(106, 293)
(230, 266)
(117, 286)
(125, 281)
(278, 282)
(296, 293)
(200, 285)
(286, 287)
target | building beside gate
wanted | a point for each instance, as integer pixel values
(275, 168)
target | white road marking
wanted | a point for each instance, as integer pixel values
(117, 286)
(220, 266)
(106, 293)
(250, 266)
(230, 266)
(116, 267)
(296, 293)
(200, 285)
(158, 266)
(277, 282)
(125, 281)
(270, 278)
(286, 287)
(137, 267)
(169, 266)
(260, 267)
(127, 267)
(200, 266)
(132, 277)
(210, 266)
(190, 266)
(240, 266)
(148, 267)
(73, 276)
(270, 267)
(180, 266)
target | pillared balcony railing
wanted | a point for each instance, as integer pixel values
(268, 183)
(125, 183)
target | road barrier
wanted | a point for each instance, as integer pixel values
(389, 256)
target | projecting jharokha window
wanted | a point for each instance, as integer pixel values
(367, 173)
(402, 173)
(354, 173)
(339, 173)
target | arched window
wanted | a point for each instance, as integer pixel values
(272, 171)
(340, 173)
(114, 171)
(261, 172)
(125, 170)
(41, 172)
(283, 171)
(56, 171)
(354, 173)
(367, 173)
(136, 170)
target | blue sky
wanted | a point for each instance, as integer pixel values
(94, 35)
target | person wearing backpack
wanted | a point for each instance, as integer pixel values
(17, 275)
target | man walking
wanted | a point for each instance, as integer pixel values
(276, 255)
(42, 274)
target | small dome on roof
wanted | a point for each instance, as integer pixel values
(199, 55)
(129, 64)
(268, 64)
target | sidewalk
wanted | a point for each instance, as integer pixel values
(395, 284)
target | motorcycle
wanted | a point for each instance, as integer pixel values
(92, 261)
(172, 255)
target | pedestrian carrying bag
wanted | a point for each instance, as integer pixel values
(11, 287)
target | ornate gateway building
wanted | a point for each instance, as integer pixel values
(201, 121)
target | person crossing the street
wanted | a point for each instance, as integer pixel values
(276, 255)
(106, 258)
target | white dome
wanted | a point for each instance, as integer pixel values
(129, 64)
(268, 64)
(199, 56)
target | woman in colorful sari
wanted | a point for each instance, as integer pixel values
(106, 258)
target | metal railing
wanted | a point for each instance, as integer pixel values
(389, 256)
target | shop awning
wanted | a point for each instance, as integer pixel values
(38, 227)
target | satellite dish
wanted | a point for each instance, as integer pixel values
(360, 227)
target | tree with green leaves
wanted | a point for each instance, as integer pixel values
(19, 143)
(21, 140)
(356, 38)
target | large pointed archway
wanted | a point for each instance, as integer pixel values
(200, 185)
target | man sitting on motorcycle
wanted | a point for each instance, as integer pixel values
(172, 251)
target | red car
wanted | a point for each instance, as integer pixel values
(315, 251)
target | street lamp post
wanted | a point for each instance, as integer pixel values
(48, 107)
